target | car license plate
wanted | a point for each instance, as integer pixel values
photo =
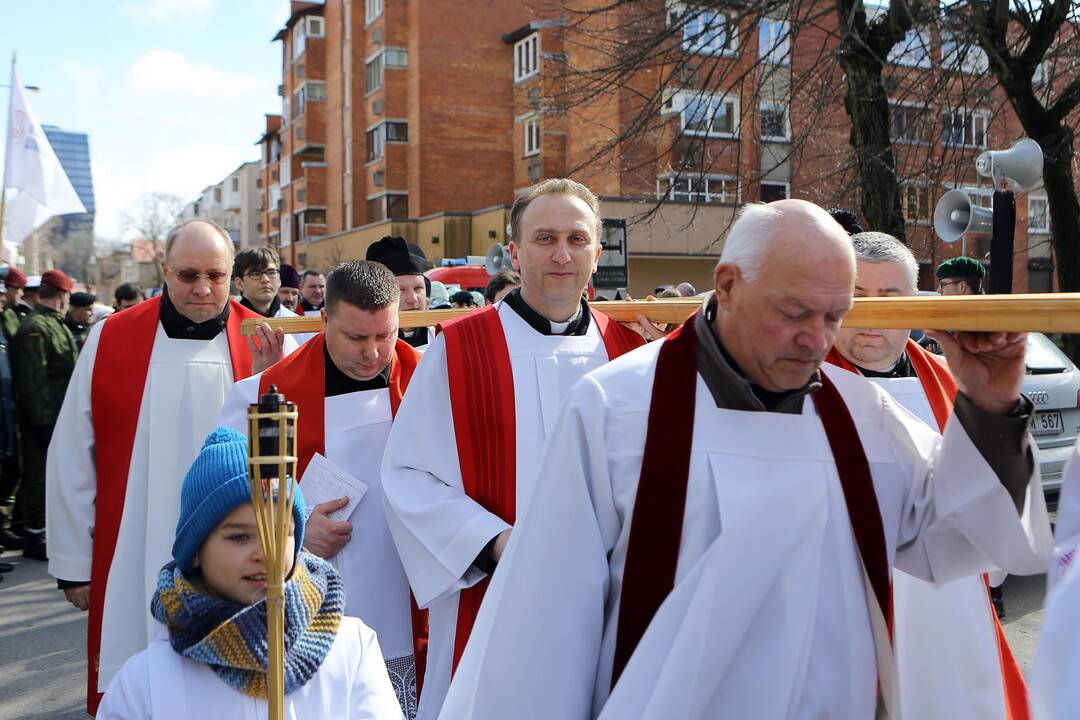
(1047, 423)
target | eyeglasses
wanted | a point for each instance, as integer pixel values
(190, 277)
(269, 274)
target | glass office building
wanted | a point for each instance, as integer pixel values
(73, 151)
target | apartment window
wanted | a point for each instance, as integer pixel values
(388, 205)
(912, 51)
(1038, 215)
(774, 41)
(916, 203)
(217, 194)
(275, 223)
(384, 132)
(312, 90)
(707, 32)
(710, 115)
(373, 73)
(396, 57)
(376, 142)
(372, 10)
(965, 128)
(301, 195)
(699, 188)
(299, 40)
(315, 216)
(956, 54)
(378, 178)
(534, 170)
(527, 57)
(396, 131)
(314, 27)
(774, 122)
(908, 123)
(772, 191)
(236, 184)
(258, 183)
(532, 136)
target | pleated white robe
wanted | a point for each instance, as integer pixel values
(160, 684)
(946, 643)
(1055, 688)
(356, 428)
(768, 618)
(186, 385)
(438, 529)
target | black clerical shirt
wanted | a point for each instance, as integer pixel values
(338, 383)
(579, 324)
(179, 327)
(275, 305)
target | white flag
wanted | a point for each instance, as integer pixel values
(22, 216)
(30, 165)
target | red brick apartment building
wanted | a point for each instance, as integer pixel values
(424, 117)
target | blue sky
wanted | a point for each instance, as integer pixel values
(171, 92)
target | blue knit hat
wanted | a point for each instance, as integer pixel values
(215, 485)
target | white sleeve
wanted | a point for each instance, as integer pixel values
(958, 519)
(234, 412)
(438, 529)
(535, 648)
(128, 694)
(71, 474)
(372, 696)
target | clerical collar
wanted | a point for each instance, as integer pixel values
(275, 305)
(902, 369)
(417, 337)
(577, 325)
(728, 384)
(178, 327)
(338, 383)
(308, 307)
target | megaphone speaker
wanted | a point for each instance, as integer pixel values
(1022, 164)
(955, 215)
(497, 258)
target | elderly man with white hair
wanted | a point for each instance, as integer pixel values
(717, 514)
(952, 656)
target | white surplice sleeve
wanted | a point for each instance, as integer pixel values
(1055, 692)
(71, 474)
(537, 640)
(234, 411)
(438, 529)
(958, 519)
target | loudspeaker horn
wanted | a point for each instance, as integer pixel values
(955, 215)
(1021, 165)
(496, 259)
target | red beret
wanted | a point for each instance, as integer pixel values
(15, 278)
(57, 279)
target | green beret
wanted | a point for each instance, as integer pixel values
(961, 267)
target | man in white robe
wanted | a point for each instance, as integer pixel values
(147, 389)
(776, 600)
(953, 659)
(357, 370)
(490, 386)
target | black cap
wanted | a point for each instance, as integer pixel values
(82, 300)
(402, 257)
(289, 277)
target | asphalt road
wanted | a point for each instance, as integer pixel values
(43, 640)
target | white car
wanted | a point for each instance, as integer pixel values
(1053, 384)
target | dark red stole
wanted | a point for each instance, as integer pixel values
(657, 520)
(301, 378)
(940, 388)
(482, 404)
(116, 389)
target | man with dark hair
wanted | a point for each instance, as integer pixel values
(44, 355)
(500, 284)
(128, 295)
(461, 459)
(147, 389)
(347, 382)
(847, 220)
(80, 310)
(408, 263)
(289, 292)
(256, 276)
(312, 292)
(463, 299)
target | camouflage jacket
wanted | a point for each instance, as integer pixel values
(11, 319)
(43, 354)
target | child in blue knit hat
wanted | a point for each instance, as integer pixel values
(210, 659)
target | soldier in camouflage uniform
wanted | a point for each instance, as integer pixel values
(15, 309)
(44, 355)
(80, 311)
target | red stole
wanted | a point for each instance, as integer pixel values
(116, 389)
(482, 404)
(301, 378)
(657, 520)
(940, 388)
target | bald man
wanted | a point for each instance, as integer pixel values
(716, 514)
(146, 390)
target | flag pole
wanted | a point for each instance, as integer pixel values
(7, 151)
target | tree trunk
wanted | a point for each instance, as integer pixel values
(1058, 156)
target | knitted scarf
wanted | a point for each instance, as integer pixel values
(231, 638)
